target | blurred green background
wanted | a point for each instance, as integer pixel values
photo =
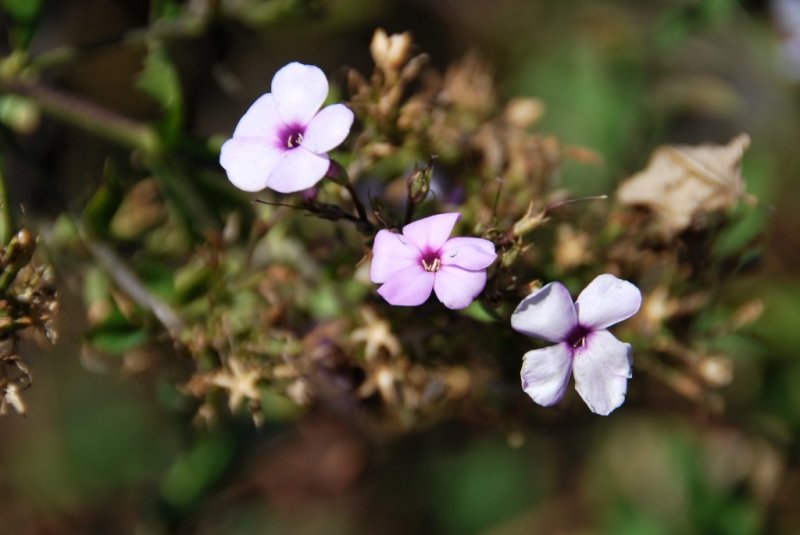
(101, 453)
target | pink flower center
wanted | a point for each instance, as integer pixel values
(577, 337)
(431, 262)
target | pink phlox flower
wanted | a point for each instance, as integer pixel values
(282, 141)
(422, 259)
(600, 363)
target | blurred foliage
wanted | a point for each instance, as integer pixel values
(202, 313)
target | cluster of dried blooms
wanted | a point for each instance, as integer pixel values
(28, 303)
(277, 311)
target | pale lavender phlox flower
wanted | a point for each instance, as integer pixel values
(422, 259)
(601, 363)
(282, 141)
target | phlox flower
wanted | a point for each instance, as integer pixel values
(282, 141)
(583, 347)
(422, 259)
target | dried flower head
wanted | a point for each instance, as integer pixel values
(390, 52)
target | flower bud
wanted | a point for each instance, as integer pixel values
(419, 183)
(716, 370)
(390, 52)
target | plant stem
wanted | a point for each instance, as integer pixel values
(360, 210)
(6, 217)
(87, 115)
(338, 174)
(410, 206)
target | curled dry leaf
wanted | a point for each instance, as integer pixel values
(683, 182)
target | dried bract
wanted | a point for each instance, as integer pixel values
(681, 183)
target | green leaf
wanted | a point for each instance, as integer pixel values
(104, 203)
(164, 9)
(23, 10)
(159, 79)
(196, 470)
(478, 311)
(192, 281)
(277, 408)
(24, 15)
(157, 277)
(115, 340)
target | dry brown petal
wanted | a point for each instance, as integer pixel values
(572, 248)
(469, 85)
(300, 392)
(582, 154)
(413, 114)
(11, 398)
(376, 335)
(240, 381)
(522, 112)
(458, 380)
(658, 306)
(748, 313)
(357, 85)
(683, 182)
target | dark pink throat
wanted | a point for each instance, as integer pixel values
(577, 337)
(431, 262)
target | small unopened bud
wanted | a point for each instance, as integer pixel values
(529, 221)
(385, 381)
(25, 238)
(310, 195)
(390, 52)
(510, 255)
(337, 173)
(299, 392)
(716, 370)
(533, 286)
(419, 183)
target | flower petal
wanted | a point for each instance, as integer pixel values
(606, 301)
(602, 368)
(328, 128)
(391, 253)
(547, 313)
(468, 253)
(431, 233)
(249, 162)
(408, 287)
(299, 92)
(456, 288)
(545, 373)
(298, 170)
(261, 121)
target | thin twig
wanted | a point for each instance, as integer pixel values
(362, 212)
(129, 282)
(559, 204)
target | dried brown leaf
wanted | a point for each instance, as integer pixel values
(683, 182)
